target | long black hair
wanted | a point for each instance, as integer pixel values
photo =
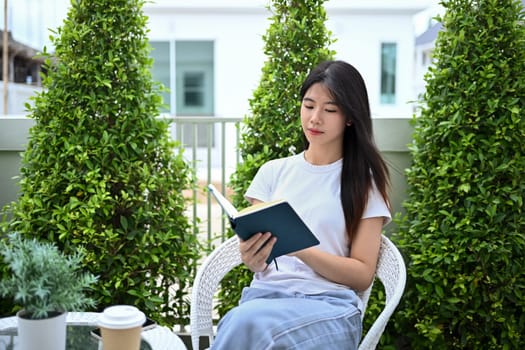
(362, 162)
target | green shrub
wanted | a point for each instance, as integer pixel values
(464, 229)
(296, 41)
(100, 170)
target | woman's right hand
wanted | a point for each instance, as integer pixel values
(254, 251)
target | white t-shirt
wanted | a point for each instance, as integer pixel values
(314, 193)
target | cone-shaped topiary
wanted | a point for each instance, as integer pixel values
(100, 170)
(464, 230)
(296, 41)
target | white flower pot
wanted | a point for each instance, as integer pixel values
(43, 334)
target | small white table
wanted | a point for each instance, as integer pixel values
(159, 338)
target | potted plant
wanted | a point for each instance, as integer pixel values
(46, 284)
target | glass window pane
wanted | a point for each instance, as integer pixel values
(388, 73)
(194, 61)
(161, 68)
(193, 89)
(193, 81)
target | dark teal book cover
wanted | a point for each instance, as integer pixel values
(279, 218)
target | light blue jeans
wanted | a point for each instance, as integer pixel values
(268, 319)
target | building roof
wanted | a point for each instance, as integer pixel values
(18, 49)
(429, 35)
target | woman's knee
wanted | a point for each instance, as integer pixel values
(240, 317)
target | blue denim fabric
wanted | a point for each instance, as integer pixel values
(268, 319)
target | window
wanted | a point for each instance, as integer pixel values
(424, 58)
(194, 78)
(186, 69)
(388, 73)
(193, 89)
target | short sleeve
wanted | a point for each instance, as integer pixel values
(377, 207)
(261, 186)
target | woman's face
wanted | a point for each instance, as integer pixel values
(322, 120)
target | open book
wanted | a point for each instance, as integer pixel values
(277, 217)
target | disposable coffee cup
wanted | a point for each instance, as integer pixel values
(121, 327)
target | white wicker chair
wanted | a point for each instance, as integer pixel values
(391, 271)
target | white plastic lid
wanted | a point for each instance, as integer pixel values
(121, 317)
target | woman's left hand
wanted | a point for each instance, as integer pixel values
(256, 250)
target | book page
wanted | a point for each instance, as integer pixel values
(224, 203)
(259, 206)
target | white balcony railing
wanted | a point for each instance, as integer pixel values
(211, 149)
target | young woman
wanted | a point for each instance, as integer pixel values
(338, 185)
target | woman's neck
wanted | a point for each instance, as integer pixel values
(323, 157)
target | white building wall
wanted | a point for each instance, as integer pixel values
(237, 36)
(237, 27)
(423, 60)
(18, 96)
(359, 38)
